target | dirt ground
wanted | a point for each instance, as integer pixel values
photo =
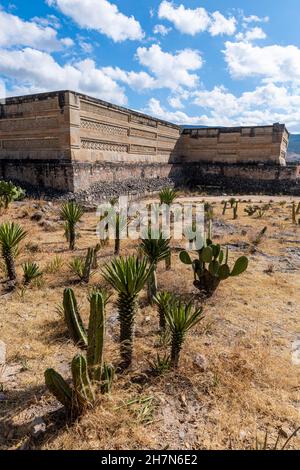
(239, 369)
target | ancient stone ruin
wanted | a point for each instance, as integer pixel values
(66, 141)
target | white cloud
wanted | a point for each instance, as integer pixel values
(193, 21)
(222, 25)
(155, 108)
(136, 80)
(272, 63)
(161, 29)
(255, 19)
(251, 35)
(171, 70)
(103, 16)
(16, 32)
(35, 71)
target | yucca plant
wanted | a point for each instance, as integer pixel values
(167, 196)
(31, 271)
(10, 192)
(11, 235)
(128, 277)
(71, 213)
(180, 319)
(162, 300)
(155, 250)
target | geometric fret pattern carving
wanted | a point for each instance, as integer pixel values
(103, 128)
(106, 146)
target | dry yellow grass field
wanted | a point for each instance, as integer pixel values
(245, 383)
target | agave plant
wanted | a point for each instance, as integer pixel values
(167, 196)
(71, 213)
(162, 300)
(31, 271)
(10, 192)
(128, 276)
(180, 319)
(155, 250)
(11, 235)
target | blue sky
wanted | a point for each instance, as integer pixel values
(224, 62)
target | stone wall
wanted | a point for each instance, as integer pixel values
(67, 141)
(260, 144)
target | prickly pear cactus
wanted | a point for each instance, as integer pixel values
(212, 267)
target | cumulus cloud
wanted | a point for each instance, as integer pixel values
(171, 70)
(35, 71)
(255, 19)
(194, 21)
(136, 80)
(155, 108)
(251, 34)
(161, 29)
(103, 16)
(273, 63)
(16, 32)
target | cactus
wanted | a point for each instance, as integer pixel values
(73, 320)
(59, 388)
(83, 386)
(212, 267)
(235, 210)
(225, 207)
(295, 213)
(88, 265)
(95, 260)
(96, 333)
(107, 377)
(88, 374)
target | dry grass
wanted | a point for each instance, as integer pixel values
(250, 384)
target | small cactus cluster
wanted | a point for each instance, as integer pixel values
(212, 267)
(9, 192)
(258, 210)
(296, 213)
(231, 204)
(88, 372)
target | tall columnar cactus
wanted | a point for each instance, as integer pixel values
(88, 373)
(235, 210)
(73, 319)
(295, 213)
(88, 265)
(181, 318)
(83, 386)
(225, 207)
(96, 334)
(212, 267)
(128, 276)
(162, 300)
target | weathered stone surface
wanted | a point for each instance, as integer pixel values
(69, 142)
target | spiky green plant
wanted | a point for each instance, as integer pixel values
(181, 318)
(162, 300)
(9, 192)
(71, 213)
(212, 267)
(83, 267)
(11, 235)
(89, 373)
(31, 271)
(161, 364)
(155, 250)
(167, 196)
(128, 277)
(73, 319)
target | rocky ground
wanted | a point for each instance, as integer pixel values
(239, 369)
